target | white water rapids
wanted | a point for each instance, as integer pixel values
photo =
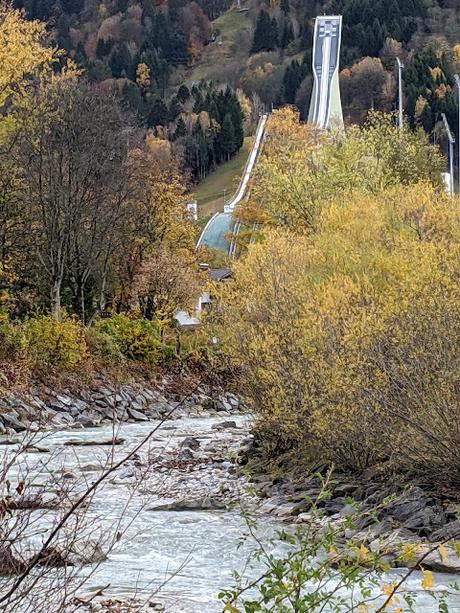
(195, 551)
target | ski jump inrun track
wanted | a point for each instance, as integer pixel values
(221, 231)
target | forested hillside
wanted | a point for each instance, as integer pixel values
(157, 52)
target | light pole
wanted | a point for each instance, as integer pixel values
(400, 93)
(457, 83)
(451, 154)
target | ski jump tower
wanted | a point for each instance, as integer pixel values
(326, 107)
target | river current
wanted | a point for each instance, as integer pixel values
(190, 554)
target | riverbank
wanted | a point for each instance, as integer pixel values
(42, 406)
(387, 515)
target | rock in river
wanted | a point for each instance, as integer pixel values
(191, 443)
(86, 443)
(191, 504)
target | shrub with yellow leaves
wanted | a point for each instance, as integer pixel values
(302, 170)
(349, 336)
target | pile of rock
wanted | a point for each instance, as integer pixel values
(43, 407)
(385, 518)
(199, 472)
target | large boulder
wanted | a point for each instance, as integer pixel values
(78, 553)
(62, 419)
(88, 419)
(191, 443)
(391, 543)
(11, 420)
(136, 415)
(86, 552)
(224, 425)
(444, 561)
(425, 520)
(416, 511)
(42, 500)
(185, 454)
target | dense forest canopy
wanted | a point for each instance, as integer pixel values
(151, 52)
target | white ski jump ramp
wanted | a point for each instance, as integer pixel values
(222, 229)
(221, 225)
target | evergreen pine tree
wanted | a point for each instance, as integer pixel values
(287, 35)
(80, 55)
(103, 47)
(120, 61)
(158, 115)
(72, 6)
(237, 117)
(63, 38)
(305, 38)
(285, 6)
(121, 6)
(263, 35)
(42, 9)
(227, 138)
(291, 81)
(274, 38)
(181, 129)
(132, 95)
(175, 108)
(427, 119)
(183, 93)
(199, 103)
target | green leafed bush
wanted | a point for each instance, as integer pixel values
(136, 339)
(102, 345)
(47, 341)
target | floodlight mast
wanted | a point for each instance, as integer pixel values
(400, 93)
(451, 140)
(457, 83)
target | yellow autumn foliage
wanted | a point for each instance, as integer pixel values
(143, 75)
(346, 333)
(301, 169)
(24, 57)
(427, 580)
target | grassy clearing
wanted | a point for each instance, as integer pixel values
(210, 192)
(223, 49)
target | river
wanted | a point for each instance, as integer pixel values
(191, 554)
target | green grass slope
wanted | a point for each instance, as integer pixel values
(220, 52)
(210, 192)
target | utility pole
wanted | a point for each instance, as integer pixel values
(400, 93)
(451, 154)
(457, 83)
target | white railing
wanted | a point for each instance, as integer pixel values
(241, 191)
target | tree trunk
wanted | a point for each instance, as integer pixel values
(102, 298)
(82, 303)
(55, 297)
